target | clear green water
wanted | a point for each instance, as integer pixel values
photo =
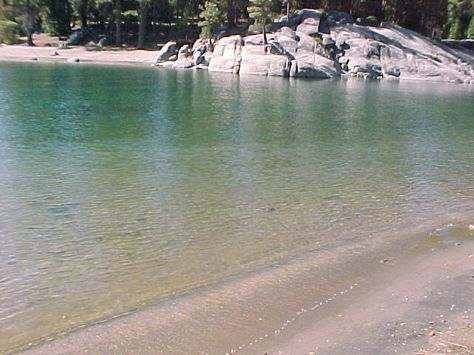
(122, 186)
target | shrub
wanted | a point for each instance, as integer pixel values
(8, 32)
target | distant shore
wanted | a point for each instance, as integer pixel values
(74, 55)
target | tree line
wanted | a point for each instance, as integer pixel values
(142, 20)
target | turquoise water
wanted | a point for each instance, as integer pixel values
(122, 186)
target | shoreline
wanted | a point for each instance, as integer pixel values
(51, 55)
(260, 311)
(137, 58)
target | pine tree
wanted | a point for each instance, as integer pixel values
(56, 17)
(470, 29)
(261, 11)
(28, 15)
(143, 7)
(81, 8)
(459, 17)
(212, 18)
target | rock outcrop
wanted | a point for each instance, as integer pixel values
(227, 55)
(315, 44)
(165, 53)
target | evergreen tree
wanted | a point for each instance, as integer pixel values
(56, 17)
(28, 15)
(261, 11)
(117, 13)
(81, 9)
(212, 18)
(459, 17)
(118, 22)
(470, 29)
(143, 8)
(230, 12)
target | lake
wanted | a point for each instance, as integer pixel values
(122, 187)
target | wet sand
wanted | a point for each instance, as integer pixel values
(409, 294)
(22, 53)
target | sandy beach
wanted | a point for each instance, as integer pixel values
(408, 295)
(76, 55)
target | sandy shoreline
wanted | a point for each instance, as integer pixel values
(407, 295)
(21, 53)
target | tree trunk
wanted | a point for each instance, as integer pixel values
(118, 23)
(265, 42)
(83, 14)
(211, 44)
(69, 15)
(29, 37)
(288, 10)
(142, 24)
(230, 14)
(153, 19)
(30, 23)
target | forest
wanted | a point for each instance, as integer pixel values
(143, 23)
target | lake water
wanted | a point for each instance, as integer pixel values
(120, 187)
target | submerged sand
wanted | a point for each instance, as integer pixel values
(412, 294)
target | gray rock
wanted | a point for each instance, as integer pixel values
(73, 60)
(365, 68)
(200, 47)
(289, 44)
(388, 51)
(309, 13)
(198, 56)
(309, 26)
(256, 40)
(275, 26)
(256, 61)
(394, 52)
(293, 68)
(309, 65)
(168, 50)
(184, 59)
(329, 46)
(367, 21)
(308, 44)
(201, 43)
(227, 55)
(206, 58)
(79, 38)
(184, 51)
(287, 32)
(339, 17)
(276, 48)
(183, 63)
(104, 42)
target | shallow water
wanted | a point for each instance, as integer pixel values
(122, 186)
